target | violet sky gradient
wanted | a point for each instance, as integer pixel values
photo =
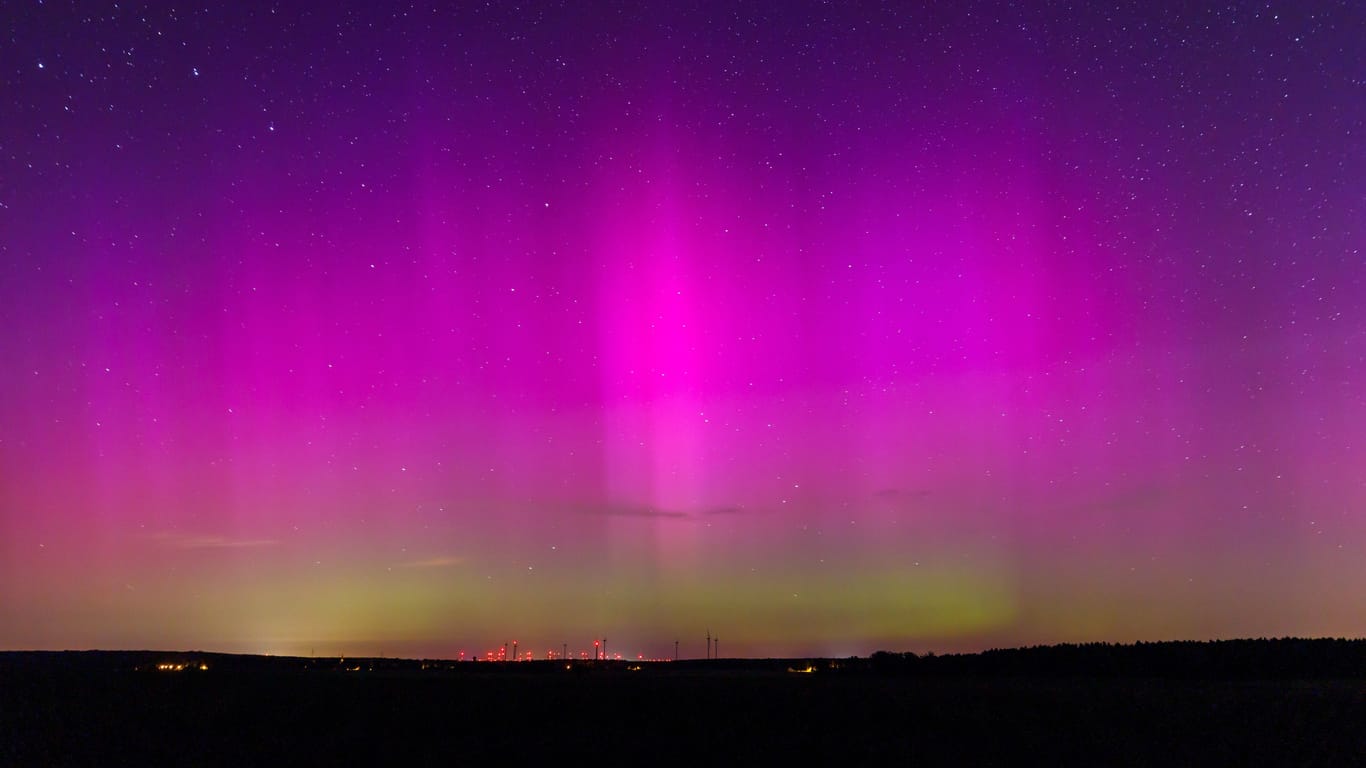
(825, 327)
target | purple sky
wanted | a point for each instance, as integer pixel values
(825, 328)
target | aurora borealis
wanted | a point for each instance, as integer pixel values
(823, 327)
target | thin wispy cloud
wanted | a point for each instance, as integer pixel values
(622, 510)
(434, 562)
(659, 513)
(205, 541)
(894, 494)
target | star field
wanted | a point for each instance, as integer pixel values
(822, 327)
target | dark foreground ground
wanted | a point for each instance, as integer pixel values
(86, 714)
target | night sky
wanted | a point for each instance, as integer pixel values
(825, 328)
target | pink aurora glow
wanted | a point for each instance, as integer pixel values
(825, 357)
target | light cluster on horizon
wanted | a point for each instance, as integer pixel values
(852, 327)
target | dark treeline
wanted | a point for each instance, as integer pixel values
(1219, 659)
(1264, 659)
(1245, 702)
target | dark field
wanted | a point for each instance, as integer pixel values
(53, 714)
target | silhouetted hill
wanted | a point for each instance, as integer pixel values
(1259, 659)
(1268, 702)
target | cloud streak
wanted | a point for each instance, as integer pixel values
(624, 510)
(434, 562)
(208, 541)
